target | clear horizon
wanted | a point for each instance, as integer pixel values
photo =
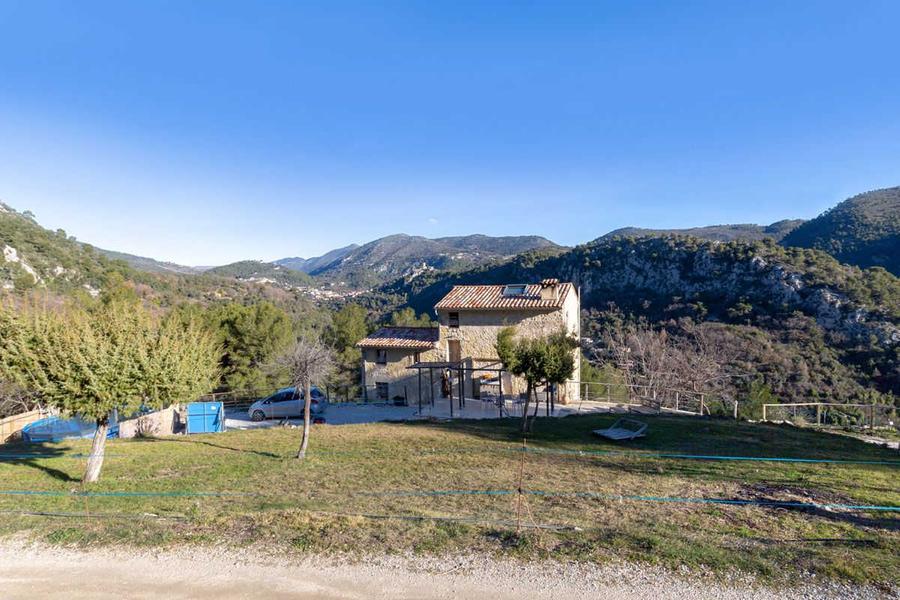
(208, 133)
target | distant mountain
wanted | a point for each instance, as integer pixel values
(262, 272)
(716, 233)
(308, 265)
(403, 255)
(863, 231)
(149, 265)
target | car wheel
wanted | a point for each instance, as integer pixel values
(258, 415)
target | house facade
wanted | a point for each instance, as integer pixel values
(469, 319)
(387, 355)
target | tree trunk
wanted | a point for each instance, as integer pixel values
(307, 400)
(525, 408)
(549, 395)
(98, 448)
(537, 404)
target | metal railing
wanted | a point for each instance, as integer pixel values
(833, 414)
(656, 398)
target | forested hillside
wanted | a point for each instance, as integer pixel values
(263, 272)
(316, 263)
(143, 263)
(805, 324)
(863, 231)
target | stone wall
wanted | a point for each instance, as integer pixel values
(161, 422)
(401, 380)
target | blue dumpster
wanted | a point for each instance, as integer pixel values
(205, 417)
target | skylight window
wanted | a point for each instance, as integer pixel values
(514, 290)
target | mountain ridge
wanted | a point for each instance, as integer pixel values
(717, 233)
(403, 255)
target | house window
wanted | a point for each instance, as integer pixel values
(454, 319)
(381, 390)
(417, 357)
(381, 357)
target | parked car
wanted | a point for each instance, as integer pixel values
(285, 403)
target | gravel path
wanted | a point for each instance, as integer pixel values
(29, 571)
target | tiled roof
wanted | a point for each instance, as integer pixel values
(417, 338)
(490, 297)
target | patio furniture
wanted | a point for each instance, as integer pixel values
(623, 429)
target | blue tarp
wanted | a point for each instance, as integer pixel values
(54, 429)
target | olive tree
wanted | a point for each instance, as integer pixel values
(543, 359)
(308, 360)
(115, 356)
(560, 362)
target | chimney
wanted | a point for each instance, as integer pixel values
(550, 290)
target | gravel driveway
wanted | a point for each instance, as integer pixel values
(31, 571)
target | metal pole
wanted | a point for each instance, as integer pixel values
(431, 378)
(500, 389)
(419, 370)
(451, 395)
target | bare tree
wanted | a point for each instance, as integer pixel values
(15, 399)
(706, 362)
(657, 364)
(307, 361)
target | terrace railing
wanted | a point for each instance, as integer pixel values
(833, 414)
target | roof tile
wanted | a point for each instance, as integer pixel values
(490, 297)
(415, 338)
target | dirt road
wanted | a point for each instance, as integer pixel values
(29, 571)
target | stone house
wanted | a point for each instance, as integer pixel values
(469, 319)
(387, 355)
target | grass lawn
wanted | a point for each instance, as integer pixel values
(356, 476)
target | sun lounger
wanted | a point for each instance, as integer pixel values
(623, 429)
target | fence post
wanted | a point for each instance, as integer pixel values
(818, 414)
(735, 410)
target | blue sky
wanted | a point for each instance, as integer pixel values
(207, 132)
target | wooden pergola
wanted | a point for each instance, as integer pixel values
(459, 369)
